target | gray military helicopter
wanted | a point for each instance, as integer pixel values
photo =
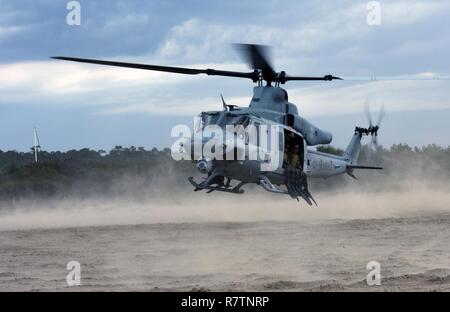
(269, 106)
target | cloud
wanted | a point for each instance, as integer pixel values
(334, 37)
(8, 31)
(117, 24)
(343, 98)
(111, 90)
(120, 91)
(310, 39)
(410, 12)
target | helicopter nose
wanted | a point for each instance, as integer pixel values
(194, 146)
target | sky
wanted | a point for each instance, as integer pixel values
(80, 105)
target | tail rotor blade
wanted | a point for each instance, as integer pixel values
(367, 112)
(381, 115)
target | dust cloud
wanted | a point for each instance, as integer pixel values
(407, 187)
(157, 234)
(257, 206)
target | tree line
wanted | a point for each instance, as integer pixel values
(137, 172)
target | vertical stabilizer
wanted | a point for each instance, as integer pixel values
(351, 153)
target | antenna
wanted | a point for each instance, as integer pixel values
(223, 102)
(36, 145)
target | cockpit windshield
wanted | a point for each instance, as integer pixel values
(237, 120)
(206, 119)
(220, 119)
(210, 119)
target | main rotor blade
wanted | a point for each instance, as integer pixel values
(256, 56)
(394, 78)
(301, 78)
(169, 69)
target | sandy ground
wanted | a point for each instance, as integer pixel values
(305, 255)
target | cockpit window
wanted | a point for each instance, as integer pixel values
(209, 119)
(237, 120)
(198, 124)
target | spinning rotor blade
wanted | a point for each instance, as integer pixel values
(169, 69)
(381, 115)
(256, 56)
(380, 119)
(373, 129)
(367, 112)
(374, 141)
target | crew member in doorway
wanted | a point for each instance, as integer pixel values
(292, 156)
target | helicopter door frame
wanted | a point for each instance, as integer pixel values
(298, 139)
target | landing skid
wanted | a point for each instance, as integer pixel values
(210, 188)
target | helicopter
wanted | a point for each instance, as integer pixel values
(286, 166)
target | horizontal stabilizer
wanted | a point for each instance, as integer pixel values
(363, 167)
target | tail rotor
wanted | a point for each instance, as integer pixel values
(373, 129)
